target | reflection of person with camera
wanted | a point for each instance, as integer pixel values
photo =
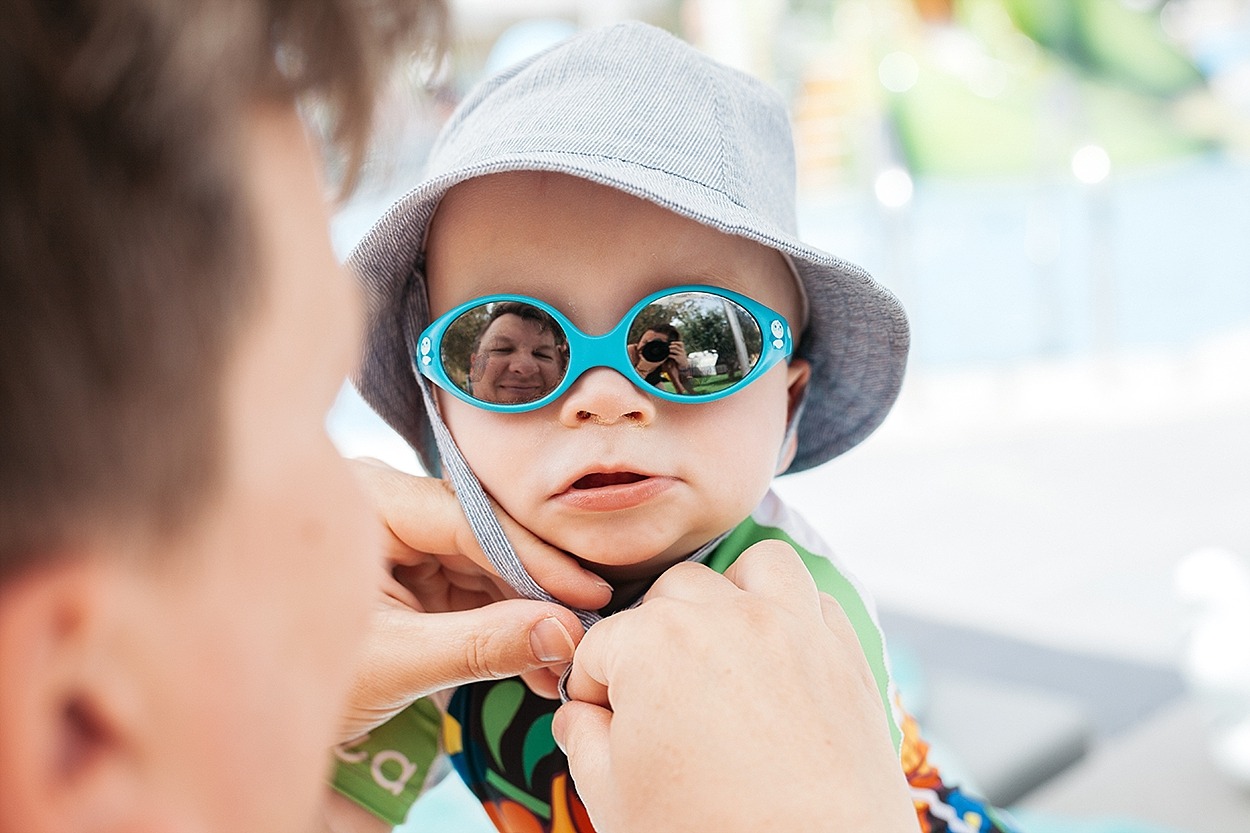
(660, 354)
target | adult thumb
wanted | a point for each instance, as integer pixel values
(410, 654)
(500, 640)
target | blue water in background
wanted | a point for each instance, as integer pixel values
(999, 272)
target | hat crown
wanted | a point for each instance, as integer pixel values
(637, 94)
(633, 108)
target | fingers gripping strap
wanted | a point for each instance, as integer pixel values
(473, 500)
(699, 556)
(489, 533)
(477, 509)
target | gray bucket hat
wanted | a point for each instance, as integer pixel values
(632, 107)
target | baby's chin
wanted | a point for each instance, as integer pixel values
(628, 564)
(618, 574)
(628, 552)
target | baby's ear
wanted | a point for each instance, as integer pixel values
(798, 372)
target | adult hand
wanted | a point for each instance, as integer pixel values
(443, 617)
(677, 354)
(435, 560)
(731, 703)
(645, 367)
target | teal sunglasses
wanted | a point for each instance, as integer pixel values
(513, 353)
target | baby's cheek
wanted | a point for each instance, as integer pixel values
(496, 450)
(745, 456)
(739, 488)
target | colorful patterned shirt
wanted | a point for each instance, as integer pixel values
(498, 733)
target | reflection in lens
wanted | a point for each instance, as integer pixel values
(694, 343)
(506, 352)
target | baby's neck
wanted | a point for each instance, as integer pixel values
(624, 593)
(628, 583)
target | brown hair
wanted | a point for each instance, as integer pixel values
(526, 312)
(125, 251)
(667, 330)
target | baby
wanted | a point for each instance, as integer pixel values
(601, 278)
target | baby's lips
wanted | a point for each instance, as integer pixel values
(597, 480)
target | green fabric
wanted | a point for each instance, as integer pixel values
(532, 803)
(385, 771)
(501, 706)
(830, 581)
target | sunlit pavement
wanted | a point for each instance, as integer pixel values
(1048, 502)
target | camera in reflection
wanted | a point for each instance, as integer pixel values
(656, 350)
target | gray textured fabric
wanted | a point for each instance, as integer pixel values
(488, 531)
(486, 527)
(633, 107)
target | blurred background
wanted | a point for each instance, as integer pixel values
(1055, 519)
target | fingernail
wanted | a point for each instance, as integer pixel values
(550, 641)
(605, 584)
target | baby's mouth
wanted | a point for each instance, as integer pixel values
(613, 491)
(598, 480)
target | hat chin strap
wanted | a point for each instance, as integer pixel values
(485, 525)
(477, 508)
(489, 534)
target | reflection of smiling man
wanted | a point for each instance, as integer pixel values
(516, 359)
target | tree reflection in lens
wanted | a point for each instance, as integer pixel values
(714, 343)
(520, 356)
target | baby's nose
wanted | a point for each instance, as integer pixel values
(603, 396)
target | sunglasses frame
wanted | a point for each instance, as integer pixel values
(587, 352)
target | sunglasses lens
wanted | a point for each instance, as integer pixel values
(505, 353)
(694, 343)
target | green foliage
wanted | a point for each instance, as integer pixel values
(1123, 45)
(1106, 73)
(458, 343)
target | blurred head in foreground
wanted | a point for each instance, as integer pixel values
(178, 603)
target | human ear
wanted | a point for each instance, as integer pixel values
(798, 372)
(65, 759)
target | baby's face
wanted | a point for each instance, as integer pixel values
(626, 481)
